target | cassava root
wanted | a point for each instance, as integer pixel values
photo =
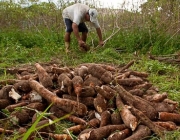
(100, 100)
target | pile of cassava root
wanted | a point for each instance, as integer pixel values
(100, 100)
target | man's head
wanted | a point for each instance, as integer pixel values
(93, 15)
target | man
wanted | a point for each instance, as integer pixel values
(74, 17)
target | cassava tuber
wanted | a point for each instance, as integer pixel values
(100, 73)
(65, 104)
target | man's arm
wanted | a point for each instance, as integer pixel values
(76, 33)
(98, 30)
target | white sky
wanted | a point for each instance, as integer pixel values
(116, 4)
(128, 4)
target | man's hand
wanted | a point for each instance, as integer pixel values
(81, 43)
(83, 46)
(101, 43)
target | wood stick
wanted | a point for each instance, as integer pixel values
(13, 106)
(126, 66)
(106, 40)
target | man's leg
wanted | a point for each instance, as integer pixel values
(83, 28)
(67, 39)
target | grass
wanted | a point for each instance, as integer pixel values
(164, 76)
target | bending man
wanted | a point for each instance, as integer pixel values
(74, 17)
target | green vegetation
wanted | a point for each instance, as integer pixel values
(35, 34)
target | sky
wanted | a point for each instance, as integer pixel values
(115, 4)
(127, 4)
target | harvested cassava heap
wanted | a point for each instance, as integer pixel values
(102, 102)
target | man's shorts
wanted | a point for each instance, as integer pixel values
(68, 23)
